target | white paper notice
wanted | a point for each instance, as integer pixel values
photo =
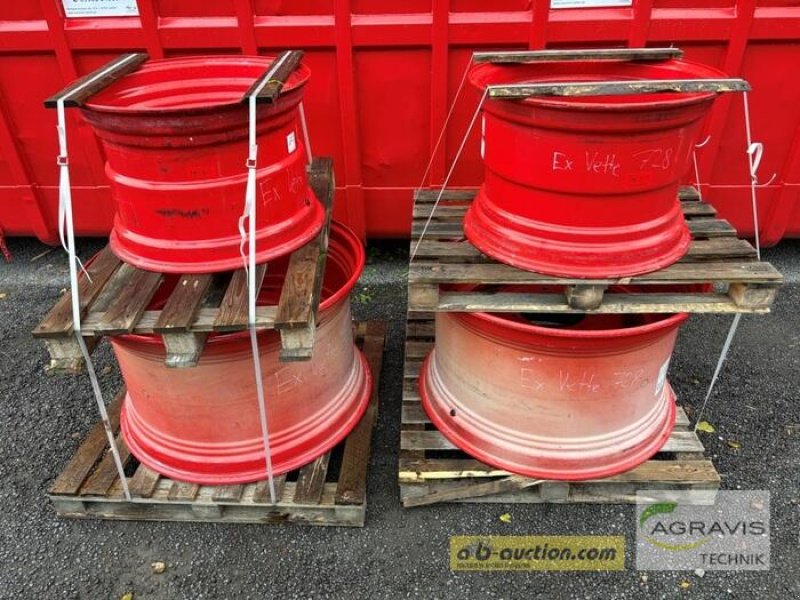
(100, 8)
(291, 142)
(588, 3)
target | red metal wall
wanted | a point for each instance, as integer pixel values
(384, 75)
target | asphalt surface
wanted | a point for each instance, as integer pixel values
(401, 552)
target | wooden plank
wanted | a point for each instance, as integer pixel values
(496, 273)
(65, 354)
(297, 303)
(143, 483)
(617, 87)
(205, 322)
(698, 477)
(183, 304)
(302, 286)
(129, 305)
(182, 491)
(261, 491)
(311, 481)
(160, 508)
(228, 493)
(58, 321)
(232, 314)
(268, 87)
(183, 347)
(352, 484)
(417, 470)
(472, 490)
(708, 228)
(89, 452)
(416, 349)
(100, 481)
(592, 54)
(77, 92)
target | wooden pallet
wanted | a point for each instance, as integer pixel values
(329, 491)
(115, 301)
(716, 256)
(433, 470)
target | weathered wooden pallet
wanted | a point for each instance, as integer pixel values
(432, 469)
(740, 282)
(115, 301)
(329, 491)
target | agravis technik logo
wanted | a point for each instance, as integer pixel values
(675, 533)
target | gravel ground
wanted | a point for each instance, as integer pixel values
(400, 553)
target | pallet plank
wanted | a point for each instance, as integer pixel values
(99, 482)
(352, 485)
(58, 321)
(311, 481)
(302, 287)
(496, 273)
(228, 493)
(89, 452)
(185, 300)
(144, 482)
(205, 322)
(232, 314)
(503, 485)
(129, 305)
(182, 491)
(261, 490)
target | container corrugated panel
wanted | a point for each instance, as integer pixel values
(384, 76)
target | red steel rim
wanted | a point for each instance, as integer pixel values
(652, 447)
(170, 68)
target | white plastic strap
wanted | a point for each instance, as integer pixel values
(65, 222)
(306, 139)
(449, 173)
(249, 236)
(697, 168)
(755, 151)
(444, 125)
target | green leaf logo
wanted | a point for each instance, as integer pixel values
(656, 509)
(663, 508)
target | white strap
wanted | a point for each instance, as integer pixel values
(249, 261)
(449, 174)
(306, 139)
(65, 222)
(755, 151)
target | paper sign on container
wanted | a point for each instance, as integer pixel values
(589, 3)
(100, 8)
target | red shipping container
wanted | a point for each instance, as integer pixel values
(385, 75)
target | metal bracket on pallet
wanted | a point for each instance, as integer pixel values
(601, 54)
